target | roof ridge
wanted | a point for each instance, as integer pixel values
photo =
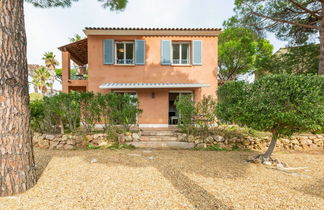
(153, 29)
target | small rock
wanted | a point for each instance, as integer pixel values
(93, 160)
(128, 138)
(218, 138)
(209, 139)
(268, 163)
(135, 136)
(201, 145)
(49, 137)
(70, 142)
(102, 144)
(68, 147)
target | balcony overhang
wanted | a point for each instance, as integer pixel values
(78, 51)
(150, 85)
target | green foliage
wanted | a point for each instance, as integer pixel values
(35, 96)
(205, 114)
(295, 22)
(121, 146)
(112, 4)
(91, 112)
(41, 79)
(64, 111)
(296, 60)
(115, 146)
(240, 51)
(281, 104)
(196, 118)
(37, 109)
(75, 38)
(186, 108)
(91, 146)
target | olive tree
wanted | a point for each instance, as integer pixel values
(281, 104)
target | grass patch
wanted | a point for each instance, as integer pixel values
(115, 146)
(216, 147)
(121, 146)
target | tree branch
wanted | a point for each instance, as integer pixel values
(305, 9)
(285, 21)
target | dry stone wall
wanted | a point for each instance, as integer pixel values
(68, 142)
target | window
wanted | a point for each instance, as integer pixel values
(124, 53)
(180, 53)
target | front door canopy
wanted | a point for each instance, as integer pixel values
(150, 85)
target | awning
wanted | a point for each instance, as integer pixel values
(150, 85)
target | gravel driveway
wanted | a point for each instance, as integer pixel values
(170, 179)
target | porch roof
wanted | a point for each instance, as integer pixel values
(150, 85)
(78, 51)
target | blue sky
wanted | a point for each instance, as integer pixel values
(48, 29)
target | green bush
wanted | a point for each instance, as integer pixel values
(37, 112)
(280, 104)
(65, 111)
(186, 109)
(205, 117)
(90, 110)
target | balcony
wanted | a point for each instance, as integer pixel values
(125, 61)
(74, 66)
(180, 61)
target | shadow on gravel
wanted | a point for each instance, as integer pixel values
(172, 164)
(314, 188)
(196, 195)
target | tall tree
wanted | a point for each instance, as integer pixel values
(50, 63)
(298, 21)
(241, 51)
(17, 163)
(296, 60)
(41, 80)
(31, 71)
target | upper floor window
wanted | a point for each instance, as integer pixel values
(125, 53)
(180, 53)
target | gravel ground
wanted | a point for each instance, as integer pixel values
(170, 179)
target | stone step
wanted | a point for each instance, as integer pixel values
(158, 138)
(163, 145)
(158, 133)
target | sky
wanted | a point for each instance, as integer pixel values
(48, 29)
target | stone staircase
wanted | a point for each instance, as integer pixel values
(161, 139)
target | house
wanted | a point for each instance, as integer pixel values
(157, 65)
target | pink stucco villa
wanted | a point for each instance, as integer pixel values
(154, 64)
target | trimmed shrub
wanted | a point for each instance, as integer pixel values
(280, 104)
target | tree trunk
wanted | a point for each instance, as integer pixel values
(321, 64)
(17, 165)
(271, 147)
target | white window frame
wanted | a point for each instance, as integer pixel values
(124, 43)
(180, 53)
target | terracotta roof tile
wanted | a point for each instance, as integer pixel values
(153, 29)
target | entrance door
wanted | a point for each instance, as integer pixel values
(173, 113)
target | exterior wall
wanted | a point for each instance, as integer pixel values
(155, 111)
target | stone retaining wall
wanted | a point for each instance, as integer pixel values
(68, 142)
(296, 142)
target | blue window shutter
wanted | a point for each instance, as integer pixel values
(109, 51)
(197, 52)
(165, 52)
(139, 52)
